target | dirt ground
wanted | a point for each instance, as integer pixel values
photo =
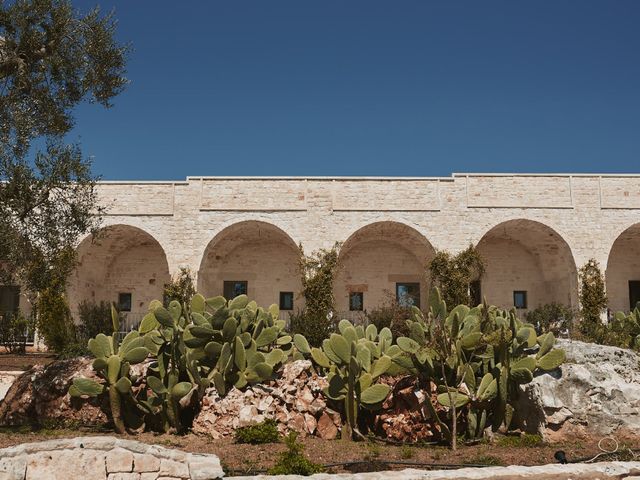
(251, 459)
(12, 361)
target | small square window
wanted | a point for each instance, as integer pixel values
(408, 294)
(356, 301)
(233, 288)
(124, 302)
(286, 300)
(520, 299)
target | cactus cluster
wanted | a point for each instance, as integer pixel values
(354, 359)
(112, 363)
(627, 328)
(476, 358)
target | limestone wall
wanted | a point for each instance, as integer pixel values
(104, 458)
(561, 221)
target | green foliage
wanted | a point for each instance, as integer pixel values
(315, 327)
(593, 299)
(552, 317)
(526, 440)
(487, 460)
(353, 360)
(55, 324)
(623, 331)
(74, 350)
(51, 60)
(293, 461)
(391, 315)
(94, 318)
(112, 364)
(476, 357)
(192, 346)
(264, 432)
(14, 328)
(180, 288)
(318, 271)
(453, 274)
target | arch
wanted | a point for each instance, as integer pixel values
(527, 256)
(256, 252)
(121, 259)
(623, 270)
(376, 258)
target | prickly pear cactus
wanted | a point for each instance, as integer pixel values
(354, 359)
(476, 358)
(112, 364)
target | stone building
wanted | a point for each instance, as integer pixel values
(242, 234)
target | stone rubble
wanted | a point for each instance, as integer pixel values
(294, 400)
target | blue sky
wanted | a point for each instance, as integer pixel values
(370, 87)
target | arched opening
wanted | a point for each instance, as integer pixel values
(256, 258)
(528, 264)
(623, 271)
(124, 265)
(382, 261)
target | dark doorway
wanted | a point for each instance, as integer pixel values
(634, 293)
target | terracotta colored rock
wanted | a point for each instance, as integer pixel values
(327, 430)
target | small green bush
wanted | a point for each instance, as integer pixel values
(15, 330)
(391, 315)
(293, 461)
(95, 318)
(314, 327)
(526, 440)
(552, 317)
(54, 320)
(265, 432)
(488, 460)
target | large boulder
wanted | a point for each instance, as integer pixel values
(40, 397)
(597, 390)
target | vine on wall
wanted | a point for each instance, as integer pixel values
(593, 298)
(317, 271)
(454, 274)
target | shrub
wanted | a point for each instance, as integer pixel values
(180, 288)
(293, 461)
(14, 332)
(391, 315)
(552, 317)
(54, 320)
(593, 299)
(95, 318)
(454, 274)
(315, 327)
(265, 432)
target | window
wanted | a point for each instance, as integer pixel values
(520, 299)
(286, 300)
(634, 293)
(356, 301)
(9, 298)
(408, 294)
(124, 302)
(475, 292)
(233, 288)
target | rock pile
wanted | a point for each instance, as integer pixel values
(294, 400)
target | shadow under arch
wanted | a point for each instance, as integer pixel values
(253, 255)
(523, 255)
(622, 275)
(379, 260)
(122, 261)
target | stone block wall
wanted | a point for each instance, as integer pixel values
(196, 223)
(104, 458)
